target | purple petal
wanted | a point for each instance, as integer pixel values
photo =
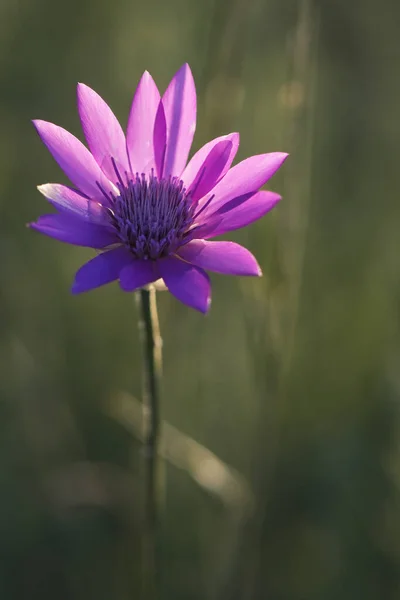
(160, 140)
(73, 202)
(198, 159)
(222, 257)
(74, 159)
(200, 232)
(102, 269)
(248, 176)
(73, 230)
(103, 132)
(179, 103)
(138, 274)
(139, 136)
(240, 212)
(210, 171)
(188, 283)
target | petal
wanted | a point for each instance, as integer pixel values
(240, 212)
(73, 202)
(139, 135)
(203, 230)
(74, 159)
(198, 159)
(222, 257)
(102, 269)
(248, 176)
(179, 103)
(211, 169)
(103, 132)
(188, 283)
(138, 274)
(73, 230)
(160, 140)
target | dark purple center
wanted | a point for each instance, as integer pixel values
(152, 216)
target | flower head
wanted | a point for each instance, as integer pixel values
(138, 200)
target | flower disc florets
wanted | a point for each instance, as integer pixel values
(152, 216)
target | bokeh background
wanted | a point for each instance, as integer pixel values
(281, 451)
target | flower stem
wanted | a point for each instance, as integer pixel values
(152, 353)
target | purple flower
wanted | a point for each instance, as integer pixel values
(138, 200)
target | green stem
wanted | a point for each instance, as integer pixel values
(152, 352)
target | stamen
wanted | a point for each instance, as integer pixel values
(197, 183)
(108, 196)
(204, 206)
(114, 164)
(152, 216)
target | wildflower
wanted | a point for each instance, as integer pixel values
(138, 200)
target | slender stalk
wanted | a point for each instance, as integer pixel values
(152, 352)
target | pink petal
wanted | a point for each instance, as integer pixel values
(102, 269)
(188, 283)
(138, 274)
(222, 257)
(74, 159)
(72, 201)
(160, 140)
(198, 159)
(179, 103)
(240, 212)
(211, 169)
(248, 176)
(139, 136)
(73, 230)
(103, 132)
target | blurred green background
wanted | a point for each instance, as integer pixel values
(282, 435)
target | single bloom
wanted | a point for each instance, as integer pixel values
(138, 200)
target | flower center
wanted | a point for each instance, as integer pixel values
(152, 216)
